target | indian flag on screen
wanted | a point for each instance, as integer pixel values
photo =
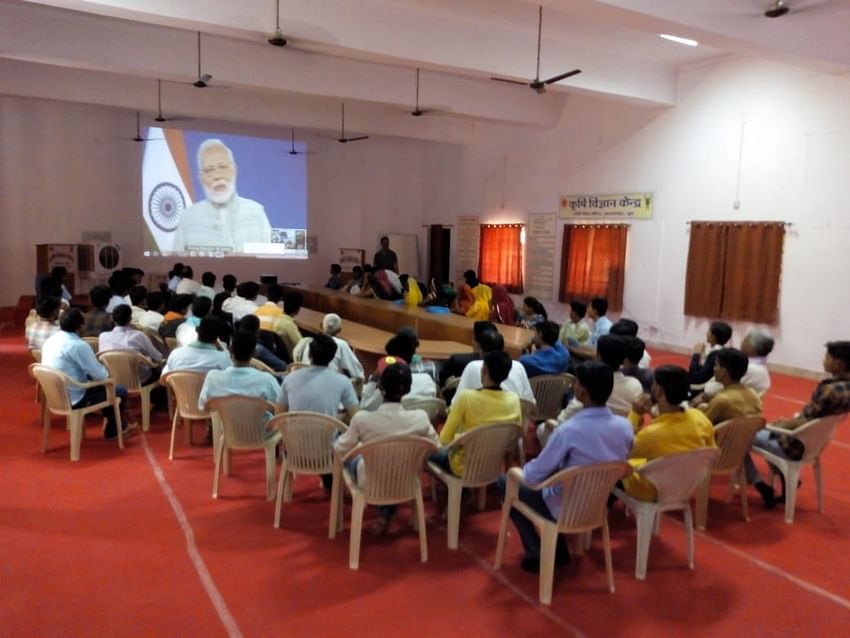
(166, 186)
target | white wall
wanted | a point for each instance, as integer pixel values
(66, 168)
(796, 159)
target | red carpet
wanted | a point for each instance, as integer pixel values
(95, 548)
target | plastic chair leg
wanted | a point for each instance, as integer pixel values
(689, 530)
(270, 468)
(645, 519)
(453, 511)
(606, 547)
(281, 486)
(745, 499)
(818, 483)
(503, 531)
(118, 423)
(335, 499)
(357, 507)
(420, 518)
(45, 426)
(75, 423)
(792, 476)
(217, 472)
(173, 435)
(702, 503)
(145, 395)
(548, 542)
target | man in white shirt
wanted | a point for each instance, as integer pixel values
(119, 284)
(243, 302)
(402, 349)
(207, 288)
(517, 381)
(152, 318)
(757, 345)
(174, 276)
(203, 355)
(125, 337)
(345, 360)
(138, 295)
(390, 419)
(187, 285)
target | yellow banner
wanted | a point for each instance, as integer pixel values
(620, 206)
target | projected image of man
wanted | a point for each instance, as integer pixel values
(224, 220)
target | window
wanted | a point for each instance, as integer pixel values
(593, 261)
(500, 256)
(734, 270)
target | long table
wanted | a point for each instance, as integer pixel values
(390, 317)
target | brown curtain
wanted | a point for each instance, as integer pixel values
(753, 270)
(706, 265)
(500, 256)
(593, 260)
(734, 270)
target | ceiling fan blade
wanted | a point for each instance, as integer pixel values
(357, 139)
(523, 83)
(328, 137)
(563, 76)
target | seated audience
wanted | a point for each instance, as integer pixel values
(702, 361)
(517, 380)
(474, 408)
(548, 355)
(124, 337)
(67, 352)
(138, 302)
(174, 276)
(757, 345)
(403, 349)
(240, 378)
(119, 284)
(202, 355)
(335, 280)
(270, 311)
(831, 397)
(187, 332)
(354, 284)
(455, 364)
(53, 285)
(251, 325)
(152, 317)
(48, 314)
(593, 435)
(734, 400)
(188, 285)
(97, 319)
(482, 297)
(635, 351)
(385, 284)
(390, 419)
(533, 313)
(411, 291)
(504, 311)
(243, 302)
(675, 429)
(345, 361)
(207, 288)
(463, 299)
(285, 325)
(417, 363)
(228, 285)
(575, 331)
(601, 326)
(176, 315)
(629, 328)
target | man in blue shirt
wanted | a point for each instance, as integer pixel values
(593, 435)
(597, 312)
(202, 355)
(68, 353)
(548, 355)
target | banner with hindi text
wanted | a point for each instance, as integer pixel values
(619, 206)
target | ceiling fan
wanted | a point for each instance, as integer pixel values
(537, 84)
(342, 139)
(203, 80)
(138, 137)
(417, 111)
(292, 150)
(159, 116)
(780, 8)
(276, 39)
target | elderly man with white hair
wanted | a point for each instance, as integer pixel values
(757, 345)
(224, 220)
(345, 361)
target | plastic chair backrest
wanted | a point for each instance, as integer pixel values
(484, 450)
(549, 391)
(36, 355)
(186, 386)
(171, 342)
(242, 419)
(584, 493)
(676, 476)
(528, 409)
(295, 365)
(259, 365)
(393, 464)
(123, 366)
(734, 439)
(816, 434)
(432, 406)
(94, 342)
(308, 440)
(54, 386)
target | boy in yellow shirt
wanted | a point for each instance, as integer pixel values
(676, 429)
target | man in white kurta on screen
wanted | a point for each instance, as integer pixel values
(224, 220)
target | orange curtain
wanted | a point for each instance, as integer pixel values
(500, 256)
(593, 260)
(734, 270)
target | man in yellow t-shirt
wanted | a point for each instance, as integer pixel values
(472, 408)
(734, 400)
(270, 311)
(676, 429)
(284, 325)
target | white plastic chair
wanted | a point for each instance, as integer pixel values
(186, 387)
(393, 464)
(584, 498)
(259, 365)
(734, 438)
(485, 448)
(675, 476)
(307, 449)
(242, 427)
(94, 343)
(815, 436)
(54, 387)
(123, 366)
(434, 408)
(549, 391)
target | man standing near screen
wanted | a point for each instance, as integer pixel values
(224, 220)
(386, 259)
